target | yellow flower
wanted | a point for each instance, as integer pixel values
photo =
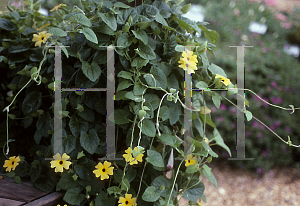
(42, 37)
(190, 160)
(57, 7)
(224, 80)
(129, 157)
(127, 200)
(60, 162)
(103, 170)
(188, 61)
(43, 26)
(11, 163)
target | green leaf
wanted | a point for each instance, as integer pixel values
(170, 45)
(139, 62)
(209, 175)
(176, 9)
(160, 78)
(174, 115)
(66, 182)
(186, 24)
(57, 32)
(7, 25)
(43, 124)
(163, 180)
(80, 154)
(122, 18)
(195, 191)
(150, 195)
(155, 158)
(80, 108)
(191, 169)
(85, 171)
(69, 143)
(3, 59)
(121, 116)
(11, 174)
(164, 113)
(123, 85)
(207, 119)
(46, 182)
(17, 179)
(89, 141)
(202, 85)
(73, 196)
(114, 189)
(121, 5)
(211, 35)
(186, 8)
(82, 81)
(131, 96)
(32, 102)
(217, 70)
(125, 75)
(109, 20)
(76, 126)
(141, 35)
(142, 113)
(232, 90)
(209, 150)
(170, 140)
(148, 128)
(82, 19)
(146, 52)
(160, 19)
(173, 82)
(248, 115)
(88, 114)
(138, 89)
(125, 185)
(124, 40)
(216, 100)
(89, 34)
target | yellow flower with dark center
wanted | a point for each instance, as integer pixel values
(188, 61)
(57, 7)
(42, 37)
(127, 201)
(60, 162)
(103, 170)
(224, 80)
(129, 156)
(11, 163)
(190, 160)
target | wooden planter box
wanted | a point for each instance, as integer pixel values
(26, 194)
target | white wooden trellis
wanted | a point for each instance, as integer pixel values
(110, 123)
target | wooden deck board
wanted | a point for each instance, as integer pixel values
(25, 194)
(8, 202)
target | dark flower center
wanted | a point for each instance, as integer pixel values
(222, 80)
(186, 65)
(189, 161)
(43, 38)
(188, 59)
(126, 203)
(61, 162)
(12, 163)
(103, 170)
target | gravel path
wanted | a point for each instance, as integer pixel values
(280, 187)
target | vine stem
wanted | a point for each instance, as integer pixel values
(286, 142)
(175, 180)
(142, 175)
